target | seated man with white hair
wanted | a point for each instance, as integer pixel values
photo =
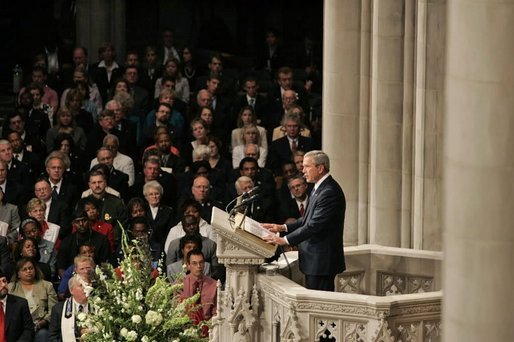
(121, 161)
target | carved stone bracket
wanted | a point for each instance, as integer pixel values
(291, 331)
(383, 333)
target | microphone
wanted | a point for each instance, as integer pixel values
(251, 192)
(247, 201)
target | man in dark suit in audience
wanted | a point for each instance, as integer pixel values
(283, 148)
(31, 160)
(17, 324)
(319, 233)
(57, 212)
(251, 98)
(294, 207)
(63, 188)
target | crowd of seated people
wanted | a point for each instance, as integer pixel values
(151, 145)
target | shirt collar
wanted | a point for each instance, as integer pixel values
(318, 183)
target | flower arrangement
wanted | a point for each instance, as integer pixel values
(128, 305)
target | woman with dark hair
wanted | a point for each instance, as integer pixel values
(27, 248)
(28, 283)
(216, 160)
(190, 69)
(137, 207)
(172, 69)
(65, 123)
(66, 144)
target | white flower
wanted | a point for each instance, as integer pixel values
(153, 318)
(81, 316)
(144, 339)
(136, 319)
(124, 332)
(131, 336)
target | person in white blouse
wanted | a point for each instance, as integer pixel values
(250, 135)
(247, 116)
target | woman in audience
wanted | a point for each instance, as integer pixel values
(27, 248)
(137, 207)
(82, 117)
(28, 283)
(199, 132)
(172, 69)
(38, 92)
(207, 115)
(65, 123)
(250, 135)
(280, 131)
(190, 70)
(81, 76)
(216, 160)
(247, 116)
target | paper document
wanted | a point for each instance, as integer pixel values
(254, 227)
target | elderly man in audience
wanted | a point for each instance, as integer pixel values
(120, 161)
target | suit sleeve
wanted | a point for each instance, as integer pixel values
(55, 323)
(326, 205)
(28, 324)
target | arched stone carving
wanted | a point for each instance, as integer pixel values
(383, 333)
(291, 331)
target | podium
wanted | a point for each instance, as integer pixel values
(242, 253)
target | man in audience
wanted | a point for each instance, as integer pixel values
(120, 161)
(31, 159)
(104, 127)
(294, 206)
(63, 188)
(127, 129)
(116, 179)
(63, 322)
(196, 282)
(57, 211)
(179, 268)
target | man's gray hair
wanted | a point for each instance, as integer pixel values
(113, 137)
(319, 158)
(240, 180)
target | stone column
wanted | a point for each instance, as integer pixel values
(100, 21)
(345, 114)
(478, 186)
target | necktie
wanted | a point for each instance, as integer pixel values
(55, 195)
(252, 102)
(293, 146)
(302, 209)
(2, 322)
(81, 308)
(196, 289)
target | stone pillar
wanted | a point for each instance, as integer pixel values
(100, 21)
(478, 186)
(345, 113)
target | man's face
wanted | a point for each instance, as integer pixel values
(188, 247)
(16, 124)
(196, 265)
(298, 188)
(83, 269)
(311, 171)
(245, 186)
(139, 232)
(115, 107)
(205, 99)
(292, 129)
(191, 225)
(131, 75)
(192, 211)
(26, 99)
(81, 225)
(16, 142)
(105, 157)
(249, 169)
(79, 57)
(251, 88)
(43, 191)
(285, 80)
(36, 96)
(252, 151)
(200, 189)
(289, 170)
(97, 184)
(54, 169)
(78, 293)
(3, 287)
(132, 59)
(164, 143)
(212, 85)
(38, 77)
(298, 160)
(169, 85)
(163, 114)
(112, 145)
(151, 171)
(107, 123)
(288, 99)
(215, 65)
(5, 152)
(78, 77)
(167, 38)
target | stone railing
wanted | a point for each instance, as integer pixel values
(293, 313)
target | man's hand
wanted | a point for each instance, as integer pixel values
(274, 228)
(275, 240)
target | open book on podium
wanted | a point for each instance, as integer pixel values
(242, 230)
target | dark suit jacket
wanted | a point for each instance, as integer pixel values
(128, 138)
(319, 234)
(260, 105)
(33, 162)
(59, 213)
(14, 193)
(100, 77)
(6, 262)
(160, 226)
(19, 326)
(280, 151)
(69, 192)
(55, 323)
(287, 209)
(118, 180)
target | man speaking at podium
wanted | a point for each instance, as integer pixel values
(319, 233)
